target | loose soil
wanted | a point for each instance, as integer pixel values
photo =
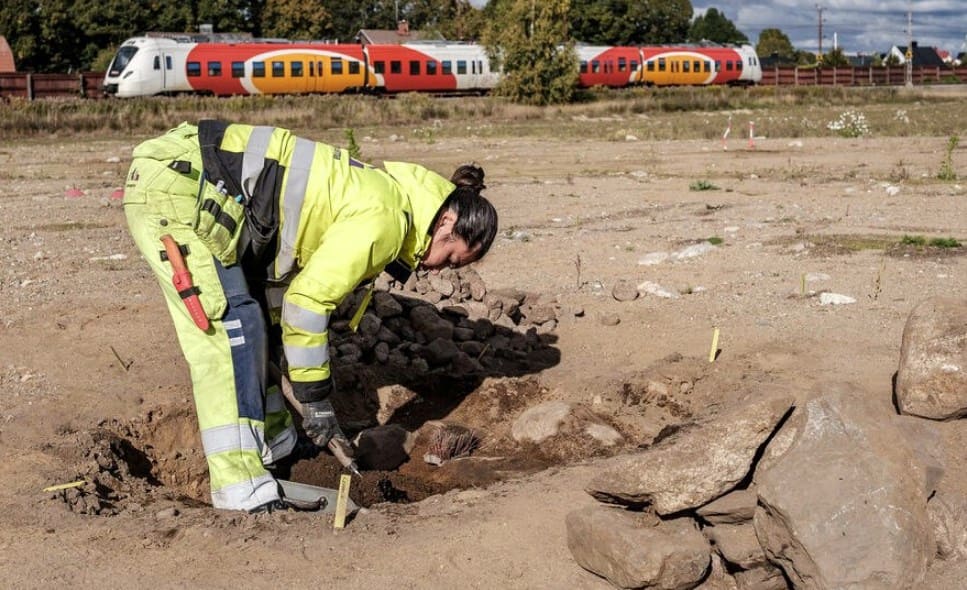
(93, 386)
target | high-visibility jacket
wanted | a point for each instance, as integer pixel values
(323, 222)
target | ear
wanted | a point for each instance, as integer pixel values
(447, 219)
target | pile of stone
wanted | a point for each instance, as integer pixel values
(442, 322)
(835, 491)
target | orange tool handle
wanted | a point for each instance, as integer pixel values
(181, 279)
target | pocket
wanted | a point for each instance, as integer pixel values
(201, 265)
(218, 222)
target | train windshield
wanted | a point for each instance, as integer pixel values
(121, 60)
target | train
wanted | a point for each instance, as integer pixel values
(173, 64)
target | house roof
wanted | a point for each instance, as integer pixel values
(6, 57)
(922, 56)
(402, 34)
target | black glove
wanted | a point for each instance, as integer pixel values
(319, 422)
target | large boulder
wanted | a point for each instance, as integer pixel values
(932, 377)
(636, 550)
(695, 466)
(842, 502)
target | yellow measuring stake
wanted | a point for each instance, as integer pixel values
(342, 499)
(65, 486)
(715, 345)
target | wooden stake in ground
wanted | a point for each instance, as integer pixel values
(715, 345)
(342, 499)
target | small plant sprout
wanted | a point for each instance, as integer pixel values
(850, 124)
(715, 240)
(947, 172)
(702, 185)
(355, 152)
(945, 243)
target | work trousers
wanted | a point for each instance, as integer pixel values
(244, 425)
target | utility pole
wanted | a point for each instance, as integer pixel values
(908, 71)
(819, 10)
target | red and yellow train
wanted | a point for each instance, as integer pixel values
(168, 64)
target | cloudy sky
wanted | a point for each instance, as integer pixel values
(867, 26)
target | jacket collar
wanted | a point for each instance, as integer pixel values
(426, 191)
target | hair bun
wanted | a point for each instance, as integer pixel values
(469, 175)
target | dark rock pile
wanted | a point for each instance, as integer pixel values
(446, 322)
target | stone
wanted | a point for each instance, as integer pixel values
(827, 298)
(385, 305)
(735, 507)
(657, 290)
(383, 448)
(931, 381)
(766, 577)
(696, 465)
(538, 313)
(624, 291)
(540, 422)
(604, 434)
(440, 351)
(609, 319)
(632, 551)
(948, 518)
(841, 498)
(737, 544)
(427, 321)
(718, 578)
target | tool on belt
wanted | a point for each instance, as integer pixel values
(181, 279)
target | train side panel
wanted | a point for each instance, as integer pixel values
(275, 68)
(615, 67)
(431, 67)
(689, 66)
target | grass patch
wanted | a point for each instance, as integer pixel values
(702, 185)
(715, 240)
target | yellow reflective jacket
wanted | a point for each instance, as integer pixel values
(324, 222)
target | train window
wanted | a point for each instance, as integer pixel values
(354, 67)
(650, 66)
(622, 64)
(431, 68)
(312, 69)
(584, 67)
(446, 67)
(295, 68)
(696, 66)
(473, 67)
(215, 68)
(157, 62)
(258, 69)
(238, 69)
(661, 64)
(738, 65)
(634, 65)
(414, 67)
(336, 66)
(718, 66)
(686, 66)
(319, 71)
(193, 68)
(278, 69)
(461, 66)
(379, 66)
(728, 65)
(396, 67)
(168, 64)
(708, 66)
(480, 66)
(595, 66)
(122, 59)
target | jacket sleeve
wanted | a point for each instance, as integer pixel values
(351, 251)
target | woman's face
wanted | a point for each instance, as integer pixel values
(447, 249)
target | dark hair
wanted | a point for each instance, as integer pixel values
(476, 216)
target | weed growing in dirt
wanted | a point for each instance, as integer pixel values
(920, 241)
(715, 240)
(945, 243)
(913, 240)
(899, 172)
(702, 185)
(850, 123)
(355, 152)
(946, 167)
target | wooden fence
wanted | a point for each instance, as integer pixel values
(36, 86)
(88, 84)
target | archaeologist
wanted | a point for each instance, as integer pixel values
(257, 235)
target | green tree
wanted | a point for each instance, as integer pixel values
(773, 42)
(528, 40)
(295, 19)
(630, 22)
(714, 26)
(835, 58)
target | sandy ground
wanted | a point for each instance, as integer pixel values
(86, 345)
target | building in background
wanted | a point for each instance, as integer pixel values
(7, 64)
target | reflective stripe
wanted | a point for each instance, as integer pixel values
(246, 495)
(281, 446)
(253, 160)
(232, 324)
(236, 341)
(304, 319)
(231, 437)
(296, 184)
(302, 357)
